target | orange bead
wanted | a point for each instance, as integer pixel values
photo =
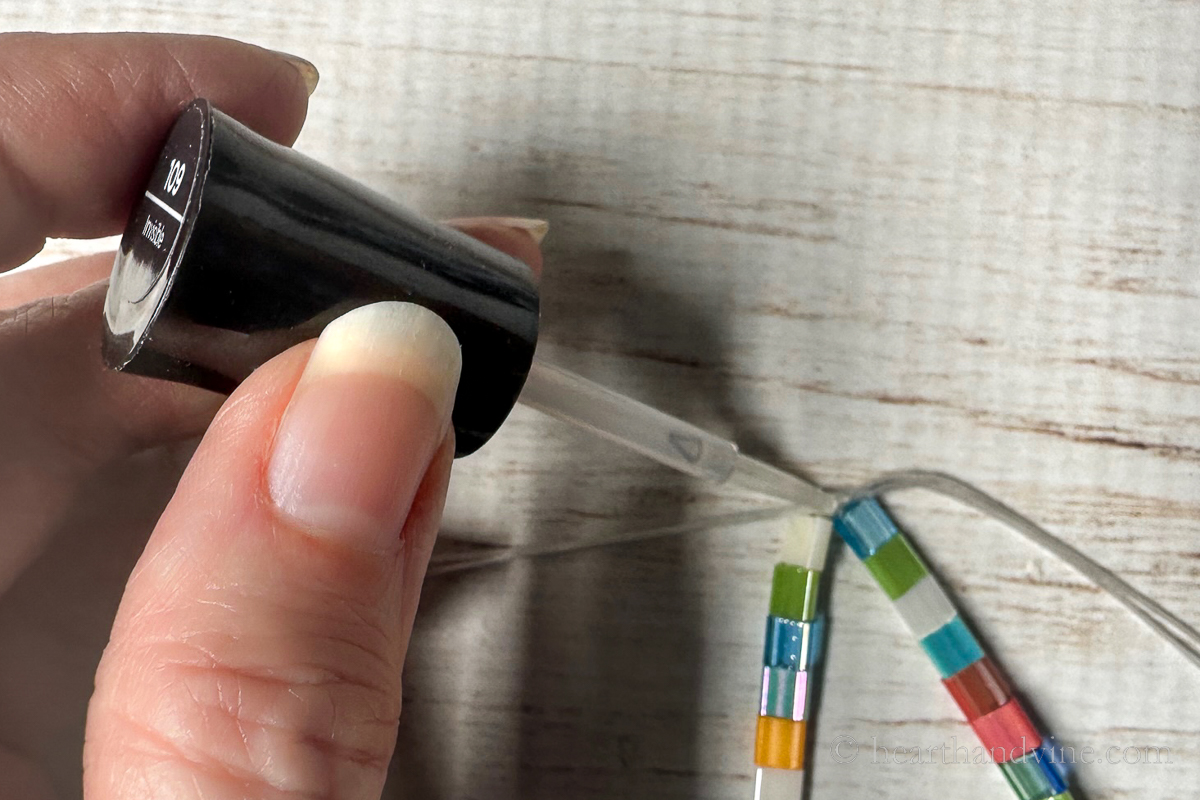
(779, 743)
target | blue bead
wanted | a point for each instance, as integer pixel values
(788, 643)
(1056, 757)
(952, 647)
(816, 647)
(1051, 770)
(864, 526)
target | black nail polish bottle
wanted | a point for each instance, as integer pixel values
(241, 248)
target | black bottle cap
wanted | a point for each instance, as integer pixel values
(241, 248)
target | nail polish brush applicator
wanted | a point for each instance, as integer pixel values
(241, 248)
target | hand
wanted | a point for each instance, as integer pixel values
(258, 645)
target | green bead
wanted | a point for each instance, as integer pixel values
(1027, 779)
(895, 566)
(794, 592)
(1063, 796)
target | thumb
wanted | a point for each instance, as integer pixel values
(258, 648)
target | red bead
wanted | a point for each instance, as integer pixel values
(979, 689)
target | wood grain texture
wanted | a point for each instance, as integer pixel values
(857, 234)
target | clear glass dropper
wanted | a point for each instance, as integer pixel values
(670, 441)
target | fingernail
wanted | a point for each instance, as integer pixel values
(306, 68)
(536, 228)
(364, 423)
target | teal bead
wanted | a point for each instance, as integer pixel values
(952, 647)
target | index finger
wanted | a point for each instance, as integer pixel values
(82, 117)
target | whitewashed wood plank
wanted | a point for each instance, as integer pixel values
(859, 235)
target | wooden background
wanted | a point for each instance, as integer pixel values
(859, 235)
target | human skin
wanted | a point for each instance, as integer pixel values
(259, 641)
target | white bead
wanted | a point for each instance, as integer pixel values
(806, 541)
(925, 607)
(778, 784)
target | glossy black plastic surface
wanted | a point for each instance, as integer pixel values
(272, 246)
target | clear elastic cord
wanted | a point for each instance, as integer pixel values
(477, 557)
(1170, 627)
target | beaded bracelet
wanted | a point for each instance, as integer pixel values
(974, 681)
(794, 626)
